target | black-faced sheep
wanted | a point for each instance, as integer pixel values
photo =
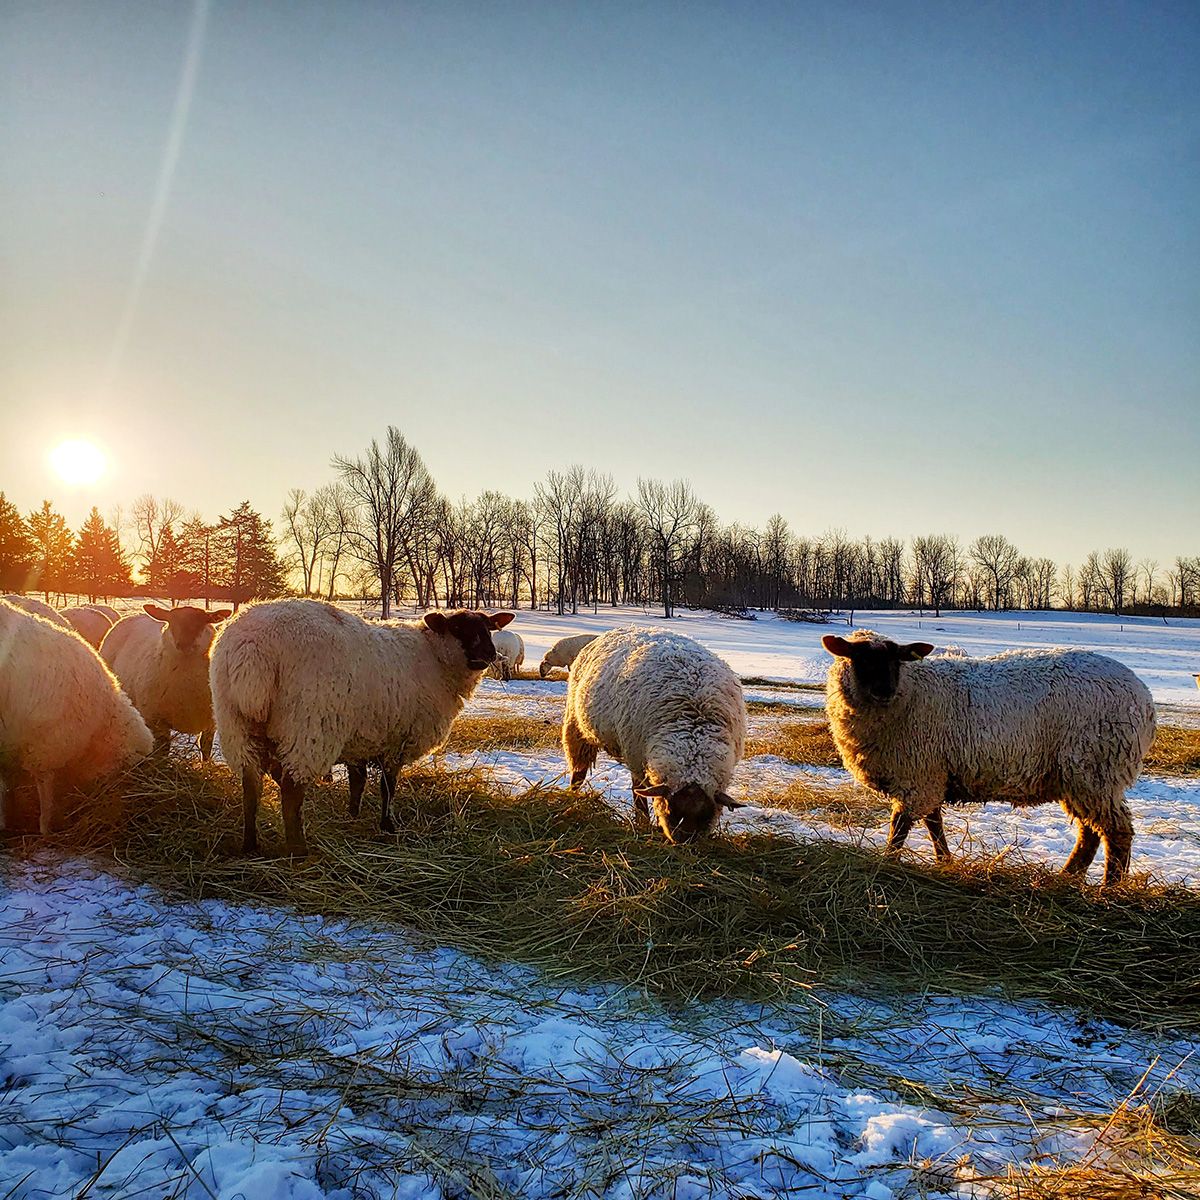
(1027, 727)
(161, 658)
(671, 711)
(300, 685)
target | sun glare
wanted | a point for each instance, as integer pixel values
(77, 461)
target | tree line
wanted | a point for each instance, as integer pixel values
(382, 529)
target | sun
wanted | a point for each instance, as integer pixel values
(78, 461)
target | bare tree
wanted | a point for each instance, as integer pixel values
(669, 513)
(936, 567)
(150, 517)
(395, 500)
(1116, 574)
(997, 558)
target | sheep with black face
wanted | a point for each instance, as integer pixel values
(160, 656)
(671, 711)
(1026, 727)
(299, 685)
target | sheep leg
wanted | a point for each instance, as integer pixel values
(206, 744)
(1086, 845)
(387, 789)
(937, 835)
(162, 742)
(356, 776)
(46, 813)
(581, 754)
(1118, 844)
(292, 799)
(901, 824)
(251, 792)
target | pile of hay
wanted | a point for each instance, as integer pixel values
(557, 880)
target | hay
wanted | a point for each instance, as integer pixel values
(805, 742)
(470, 735)
(1174, 751)
(555, 880)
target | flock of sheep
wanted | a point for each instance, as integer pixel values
(294, 686)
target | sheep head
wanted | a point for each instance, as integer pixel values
(686, 814)
(875, 662)
(189, 630)
(473, 630)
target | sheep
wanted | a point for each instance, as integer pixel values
(671, 711)
(299, 685)
(161, 658)
(108, 610)
(510, 654)
(1026, 727)
(564, 652)
(90, 623)
(63, 718)
(35, 606)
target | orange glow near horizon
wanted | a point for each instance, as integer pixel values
(78, 461)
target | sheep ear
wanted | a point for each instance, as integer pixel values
(914, 651)
(159, 614)
(726, 801)
(218, 615)
(659, 789)
(837, 646)
(499, 620)
(436, 621)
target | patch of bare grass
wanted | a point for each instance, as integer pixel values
(554, 879)
(785, 685)
(843, 806)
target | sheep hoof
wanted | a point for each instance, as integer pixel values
(387, 825)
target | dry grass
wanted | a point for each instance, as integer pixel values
(806, 742)
(843, 806)
(1175, 751)
(469, 735)
(783, 686)
(554, 879)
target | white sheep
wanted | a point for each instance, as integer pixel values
(299, 685)
(671, 711)
(90, 623)
(108, 610)
(1026, 727)
(161, 658)
(63, 719)
(564, 652)
(510, 654)
(32, 605)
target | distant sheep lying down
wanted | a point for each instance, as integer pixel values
(510, 654)
(298, 685)
(161, 658)
(671, 711)
(564, 652)
(1027, 727)
(63, 719)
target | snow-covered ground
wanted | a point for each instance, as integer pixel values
(158, 1049)
(1165, 656)
(162, 1049)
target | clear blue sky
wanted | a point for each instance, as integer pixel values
(898, 268)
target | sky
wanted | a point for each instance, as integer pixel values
(894, 268)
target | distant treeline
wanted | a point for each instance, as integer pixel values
(382, 529)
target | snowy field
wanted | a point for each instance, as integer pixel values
(151, 1048)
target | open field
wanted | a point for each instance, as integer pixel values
(523, 995)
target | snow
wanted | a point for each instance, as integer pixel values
(1164, 655)
(150, 1047)
(217, 1050)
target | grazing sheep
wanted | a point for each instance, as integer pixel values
(63, 719)
(161, 658)
(510, 654)
(1027, 727)
(108, 610)
(671, 711)
(90, 623)
(32, 605)
(564, 652)
(299, 685)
